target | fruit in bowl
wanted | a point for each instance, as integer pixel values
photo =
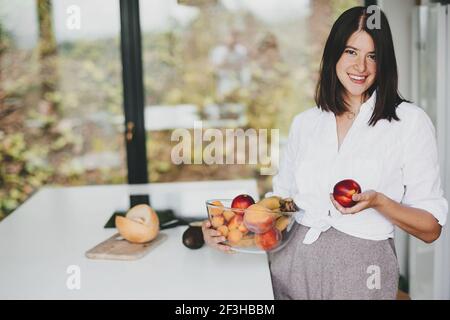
(259, 219)
(269, 239)
(241, 202)
(263, 226)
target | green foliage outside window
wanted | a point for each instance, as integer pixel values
(44, 88)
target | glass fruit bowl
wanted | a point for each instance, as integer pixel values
(256, 229)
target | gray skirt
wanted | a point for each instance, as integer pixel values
(335, 266)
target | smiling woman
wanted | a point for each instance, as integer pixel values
(359, 59)
(347, 251)
(357, 68)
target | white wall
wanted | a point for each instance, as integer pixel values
(399, 14)
(427, 266)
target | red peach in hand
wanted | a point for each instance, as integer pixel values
(344, 190)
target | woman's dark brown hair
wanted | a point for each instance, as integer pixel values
(330, 92)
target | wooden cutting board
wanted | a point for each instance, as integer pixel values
(117, 248)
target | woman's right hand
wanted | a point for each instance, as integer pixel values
(213, 237)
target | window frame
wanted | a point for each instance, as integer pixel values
(133, 92)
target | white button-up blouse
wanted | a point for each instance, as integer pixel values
(397, 158)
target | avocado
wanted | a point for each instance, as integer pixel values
(193, 237)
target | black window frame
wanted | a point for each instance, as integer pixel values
(370, 3)
(133, 92)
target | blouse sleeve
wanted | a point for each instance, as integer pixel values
(283, 182)
(420, 168)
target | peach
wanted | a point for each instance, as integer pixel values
(242, 201)
(215, 208)
(268, 240)
(217, 221)
(223, 230)
(259, 219)
(234, 236)
(228, 214)
(344, 190)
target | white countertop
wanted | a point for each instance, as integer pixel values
(56, 226)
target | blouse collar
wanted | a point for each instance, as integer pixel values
(365, 111)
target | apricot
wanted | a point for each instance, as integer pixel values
(242, 228)
(234, 236)
(223, 230)
(228, 214)
(235, 222)
(217, 221)
(246, 241)
(259, 219)
(268, 240)
(215, 208)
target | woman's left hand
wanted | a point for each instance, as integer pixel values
(364, 200)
